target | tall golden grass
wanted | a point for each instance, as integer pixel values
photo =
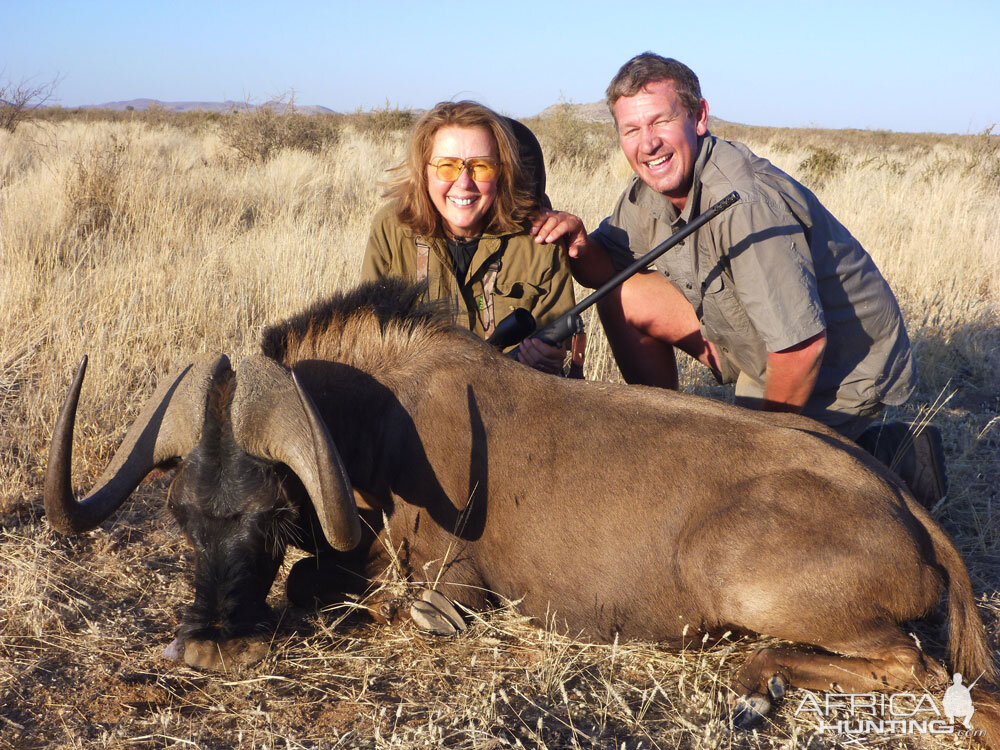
(139, 241)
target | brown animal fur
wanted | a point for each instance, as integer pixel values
(626, 510)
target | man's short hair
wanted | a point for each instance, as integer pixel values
(647, 68)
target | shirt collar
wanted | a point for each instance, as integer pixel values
(487, 246)
(694, 195)
(657, 204)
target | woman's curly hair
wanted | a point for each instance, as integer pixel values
(515, 201)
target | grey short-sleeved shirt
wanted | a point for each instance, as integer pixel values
(772, 271)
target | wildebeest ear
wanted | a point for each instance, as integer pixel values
(168, 427)
(274, 418)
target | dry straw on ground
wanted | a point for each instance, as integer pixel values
(139, 240)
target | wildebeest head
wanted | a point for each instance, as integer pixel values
(234, 441)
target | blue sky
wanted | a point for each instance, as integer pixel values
(903, 66)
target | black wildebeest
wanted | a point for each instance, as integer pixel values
(628, 511)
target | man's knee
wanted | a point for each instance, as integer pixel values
(651, 304)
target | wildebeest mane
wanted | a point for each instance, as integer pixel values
(385, 316)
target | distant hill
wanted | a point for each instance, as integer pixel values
(598, 112)
(226, 106)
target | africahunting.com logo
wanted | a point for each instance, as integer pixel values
(893, 713)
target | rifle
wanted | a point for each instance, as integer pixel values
(520, 324)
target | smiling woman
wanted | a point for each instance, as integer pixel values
(458, 219)
(463, 187)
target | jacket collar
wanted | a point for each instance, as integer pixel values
(489, 245)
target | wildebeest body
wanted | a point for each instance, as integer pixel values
(618, 509)
(615, 511)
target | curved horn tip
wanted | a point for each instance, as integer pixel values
(57, 493)
(338, 513)
(81, 370)
(147, 443)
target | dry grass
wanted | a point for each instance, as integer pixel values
(140, 240)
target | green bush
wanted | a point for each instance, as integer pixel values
(566, 138)
(984, 157)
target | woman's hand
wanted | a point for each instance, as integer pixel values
(536, 353)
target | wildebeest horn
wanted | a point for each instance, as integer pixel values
(168, 427)
(274, 418)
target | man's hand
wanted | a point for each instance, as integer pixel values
(536, 353)
(552, 226)
(791, 374)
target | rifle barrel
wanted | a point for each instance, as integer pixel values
(693, 226)
(566, 321)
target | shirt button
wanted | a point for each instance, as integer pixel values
(688, 285)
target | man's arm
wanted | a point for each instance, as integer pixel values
(791, 374)
(775, 283)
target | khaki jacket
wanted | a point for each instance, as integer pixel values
(534, 277)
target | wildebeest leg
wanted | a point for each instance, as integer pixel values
(887, 659)
(329, 576)
(434, 613)
(323, 580)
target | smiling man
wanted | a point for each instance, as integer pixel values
(775, 294)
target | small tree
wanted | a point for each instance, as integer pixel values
(18, 100)
(257, 133)
(382, 121)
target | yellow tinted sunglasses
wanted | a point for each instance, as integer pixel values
(450, 168)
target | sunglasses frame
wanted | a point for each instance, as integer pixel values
(469, 165)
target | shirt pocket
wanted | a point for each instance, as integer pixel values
(721, 312)
(509, 295)
(724, 322)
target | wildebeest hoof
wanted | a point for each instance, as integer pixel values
(749, 710)
(430, 619)
(223, 657)
(444, 606)
(777, 686)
